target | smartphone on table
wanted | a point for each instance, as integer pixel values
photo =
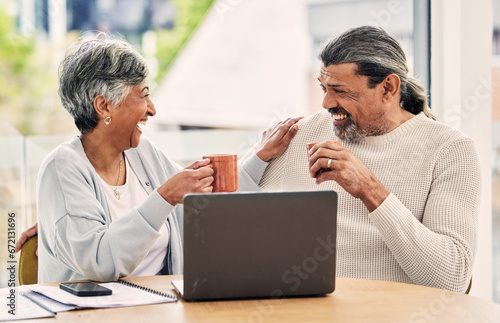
(85, 289)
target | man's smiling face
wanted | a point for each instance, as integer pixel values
(358, 110)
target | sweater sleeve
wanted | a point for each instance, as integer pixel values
(439, 251)
(75, 228)
(250, 171)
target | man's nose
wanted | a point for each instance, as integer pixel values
(329, 101)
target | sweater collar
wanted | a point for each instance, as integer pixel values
(401, 130)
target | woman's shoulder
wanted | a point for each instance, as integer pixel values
(67, 150)
(69, 154)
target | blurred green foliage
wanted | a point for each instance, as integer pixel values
(15, 50)
(190, 14)
(29, 62)
(28, 83)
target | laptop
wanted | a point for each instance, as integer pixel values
(258, 245)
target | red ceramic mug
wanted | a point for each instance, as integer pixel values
(225, 168)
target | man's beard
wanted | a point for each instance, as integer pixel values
(351, 132)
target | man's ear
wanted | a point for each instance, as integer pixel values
(101, 106)
(391, 85)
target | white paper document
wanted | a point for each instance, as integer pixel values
(17, 307)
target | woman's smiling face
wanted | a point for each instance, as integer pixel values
(131, 115)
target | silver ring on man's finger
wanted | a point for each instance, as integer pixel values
(329, 165)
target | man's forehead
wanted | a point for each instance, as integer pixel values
(338, 70)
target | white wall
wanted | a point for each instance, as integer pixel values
(250, 55)
(461, 32)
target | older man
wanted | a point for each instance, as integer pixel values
(409, 187)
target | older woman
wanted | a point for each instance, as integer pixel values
(107, 198)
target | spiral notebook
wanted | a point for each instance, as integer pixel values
(124, 294)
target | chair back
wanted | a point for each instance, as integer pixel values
(28, 262)
(470, 286)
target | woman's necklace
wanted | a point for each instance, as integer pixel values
(115, 189)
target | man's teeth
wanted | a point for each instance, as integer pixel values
(141, 125)
(339, 116)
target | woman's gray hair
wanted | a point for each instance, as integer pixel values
(377, 55)
(97, 66)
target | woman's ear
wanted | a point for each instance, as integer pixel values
(101, 106)
(391, 85)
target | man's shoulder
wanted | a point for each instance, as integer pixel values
(443, 140)
(316, 125)
(313, 120)
(441, 132)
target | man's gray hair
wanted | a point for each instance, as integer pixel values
(377, 55)
(100, 65)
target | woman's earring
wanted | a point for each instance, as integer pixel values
(107, 120)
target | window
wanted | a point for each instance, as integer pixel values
(495, 150)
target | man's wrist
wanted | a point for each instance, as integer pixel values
(375, 197)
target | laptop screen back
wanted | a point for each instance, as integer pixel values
(246, 245)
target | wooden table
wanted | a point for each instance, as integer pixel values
(354, 300)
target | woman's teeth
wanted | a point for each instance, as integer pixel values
(141, 125)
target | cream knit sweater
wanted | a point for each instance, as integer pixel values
(425, 231)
